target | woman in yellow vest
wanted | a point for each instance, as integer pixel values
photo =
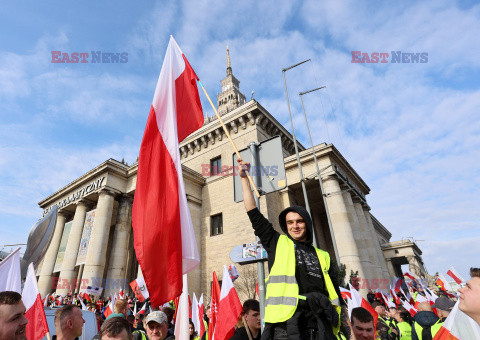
(302, 296)
(404, 324)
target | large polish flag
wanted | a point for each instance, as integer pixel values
(164, 239)
(455, 275)
(10, 273)
(458, 326)
(229, 309)
(37, 326)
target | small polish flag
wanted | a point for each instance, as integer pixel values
(109, 309)
(411, 309)
(120, 293)
(229, 308)
(345, 293)
(140, 288)
(215, 299)
(455, 275)
(409, 275)
(195, 313)
(10, 273)
(37, 326)
(142, 310)
(442, 282)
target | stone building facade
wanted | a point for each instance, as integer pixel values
(94, 238)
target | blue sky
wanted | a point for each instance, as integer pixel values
(412, 131)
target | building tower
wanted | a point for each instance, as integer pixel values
(230, 98)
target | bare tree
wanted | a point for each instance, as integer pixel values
(247, 281)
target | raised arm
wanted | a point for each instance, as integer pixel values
(248, 199)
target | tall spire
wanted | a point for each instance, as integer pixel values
(229, 66)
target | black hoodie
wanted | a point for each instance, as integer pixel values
(307, 272)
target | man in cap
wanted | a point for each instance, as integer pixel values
(385, 330)
(156, 327)
(302, 295)
(444, 306)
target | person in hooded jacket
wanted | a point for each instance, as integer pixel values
(302, 294)
(425, 323)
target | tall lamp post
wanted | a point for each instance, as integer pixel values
(302, 180)
(320, 176)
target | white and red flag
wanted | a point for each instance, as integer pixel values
(163, 231)
(194, 312)
(37, 326)
(214, 306)
(121, 294)
(10, 273)
(409, 275)
(182, 313)
(142, 310)
(109, 309)
(140, 288)
(458, 326)
(201, 311)
(229, 308)
(455, 275)
(411, 309)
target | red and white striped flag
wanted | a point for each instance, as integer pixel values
(195, 315)
(458, 326)
(142, 310)
(37, 326)
(164, 239)
(455, 275)
(109, 309)
(229, 308)
(411, 309)
(359, 301)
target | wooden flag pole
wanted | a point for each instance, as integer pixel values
(229, 138)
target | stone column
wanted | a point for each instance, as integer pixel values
(376, 243)
(347, 247)
(121, 240)
(45, 279)
(359, 238)
(370, 246)
(97, 248)
(67, 271)
(414, 266)
(390, 268)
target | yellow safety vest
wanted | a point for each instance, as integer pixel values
(282, 296)
(433, 329)
(405, 330)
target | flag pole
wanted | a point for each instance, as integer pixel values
(229, 138)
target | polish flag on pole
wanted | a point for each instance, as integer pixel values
(229, 308)
(412, 310)
(10, 273)
(214, 306)
(37, 326)
(195, 315)
(455, 275)
(458, 326)
(182, 330)
(109, 309)
(162, 224)
(142, 310)
(201, 312)
(120, 294)
(389, 303)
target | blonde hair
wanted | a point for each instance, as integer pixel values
(120, 306)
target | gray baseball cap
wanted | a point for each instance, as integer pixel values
(157, 316)
(443, 303)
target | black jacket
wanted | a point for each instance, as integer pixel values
(241, 334)
(307, 271)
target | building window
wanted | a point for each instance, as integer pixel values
(216, 225)
(215, 166)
